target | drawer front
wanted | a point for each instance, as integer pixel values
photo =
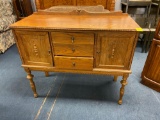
(73, 50)
(76, 63)
(72, 38)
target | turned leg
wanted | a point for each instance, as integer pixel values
(46, 74)
(32, 84)
(115, 78)
(124, 83)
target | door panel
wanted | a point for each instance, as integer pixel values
(35, 48)
(114, 49)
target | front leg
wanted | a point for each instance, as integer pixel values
(124, 83)
(32, 84)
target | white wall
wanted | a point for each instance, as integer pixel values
(118, 5)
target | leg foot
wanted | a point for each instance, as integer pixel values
(124, 83)
(32, 84)
(46, 74)
(35, 95)
(120, 102)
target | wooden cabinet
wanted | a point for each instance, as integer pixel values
(151, 70)
(77, 43)
(22, 8)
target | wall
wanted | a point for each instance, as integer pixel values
(118, 5)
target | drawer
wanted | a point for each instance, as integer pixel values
(76, 63)
(72, 38)
(73, 50)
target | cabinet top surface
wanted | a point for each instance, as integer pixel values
(121, 22)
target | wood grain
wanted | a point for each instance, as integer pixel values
(73, 50)
(72, 38)
(44, 4)
(151, 70)
(113, 50)
(35, 48)
(80, 63)
(120, 22)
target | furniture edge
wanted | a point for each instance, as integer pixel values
(150, 83)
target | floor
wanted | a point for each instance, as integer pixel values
(65, 96)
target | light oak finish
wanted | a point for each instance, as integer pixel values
(44, 4)
(102, 43)
(151, 70)
(75, 63)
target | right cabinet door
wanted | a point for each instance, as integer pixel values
(114, 50)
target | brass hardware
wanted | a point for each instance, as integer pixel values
(72, 38)
(74, 64)
(73, 49)
(98, 52)
(49, 51)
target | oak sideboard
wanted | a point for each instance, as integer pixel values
(77, 43)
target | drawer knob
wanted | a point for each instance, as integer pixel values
(49, 51)
(73, 64)
(98, 52)
(72, 38)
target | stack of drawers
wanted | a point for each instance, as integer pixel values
(73, 50)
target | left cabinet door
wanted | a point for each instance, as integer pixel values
(34, 48)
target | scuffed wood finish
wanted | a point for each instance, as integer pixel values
(151, 70)
(44, 4)
(86, 44)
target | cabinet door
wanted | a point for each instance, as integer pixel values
(152, 65)
(115, 50)
(34, 48)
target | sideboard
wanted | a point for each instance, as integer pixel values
(77, 43)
